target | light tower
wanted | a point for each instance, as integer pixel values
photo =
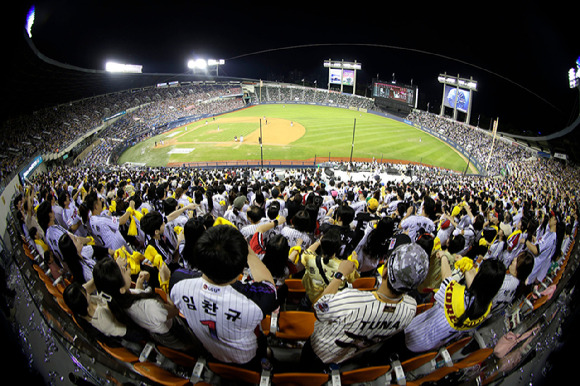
(457, 94)
(343, 73)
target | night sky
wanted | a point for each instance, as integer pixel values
(520, 55)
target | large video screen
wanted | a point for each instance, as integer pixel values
(394, 92)
(347, 77)
(454, 95)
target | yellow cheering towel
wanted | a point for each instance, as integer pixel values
(464, 264)
(223, 221)
(42, 244)
(155, 258)
(134, 259)
(113, 206)
(135, 216)
(298, 249)
(454, 307)
(355, 261)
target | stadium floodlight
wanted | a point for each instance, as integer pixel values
(205, 65)
(123, 68)
(574, 75)
(30, 21)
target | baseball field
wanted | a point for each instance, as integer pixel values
(294, 132)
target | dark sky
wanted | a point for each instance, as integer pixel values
(520, 55)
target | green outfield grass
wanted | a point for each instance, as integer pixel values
(328, 131)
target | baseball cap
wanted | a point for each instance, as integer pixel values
(239, 202)
(373, 204)
(407, 267)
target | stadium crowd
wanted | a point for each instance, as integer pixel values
(195, 259)
(220, 244)
(53, 129)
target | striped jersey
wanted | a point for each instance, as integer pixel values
(430, 330)
(52, 235)
(352, 320)
(225, 318)
(106, 229)
(415, 223)
(292, 235)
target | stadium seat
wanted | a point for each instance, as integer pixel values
(474, 358)
(423, 307)
(234, 373)
(294, 325)
(454, 348)
(365, 375)
(120, 353)
(298, 379)
(159, 375)
(296, 290)
(434, 376)
(365, 283)
(413, 368)
(176, 356)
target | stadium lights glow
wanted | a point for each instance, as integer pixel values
(574, 75)
(30, 21)
(123, 68)
(203, 64)
(456, 81)
(342, 64)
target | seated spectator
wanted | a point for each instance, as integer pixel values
(374, 246)
(142, 307)
(514, 282)
(462, 302)
(79, 257)
(320, 267)
(351, 321)
(224, 313)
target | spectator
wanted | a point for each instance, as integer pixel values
(222, 311)
(350, 321)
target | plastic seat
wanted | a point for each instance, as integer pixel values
(296, 291)
(234, 373)
(156, 374)
(295, 325)
(120, 353)
(365, 283)
(454, 347)
(296, 379)
(474, 358)
(418, 361)
(363, 375)
(178, 357)
(434, 376)
(295, 285)
(423, 307)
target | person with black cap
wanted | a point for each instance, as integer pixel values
(350, 321)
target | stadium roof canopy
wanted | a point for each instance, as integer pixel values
(33, 82)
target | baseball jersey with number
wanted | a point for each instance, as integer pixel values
(224, 318)
(351, 321)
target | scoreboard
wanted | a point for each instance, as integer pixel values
(394, 92)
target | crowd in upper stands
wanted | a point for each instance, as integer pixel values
(220, 244)
(247, 231)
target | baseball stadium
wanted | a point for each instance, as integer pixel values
(206, 229)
